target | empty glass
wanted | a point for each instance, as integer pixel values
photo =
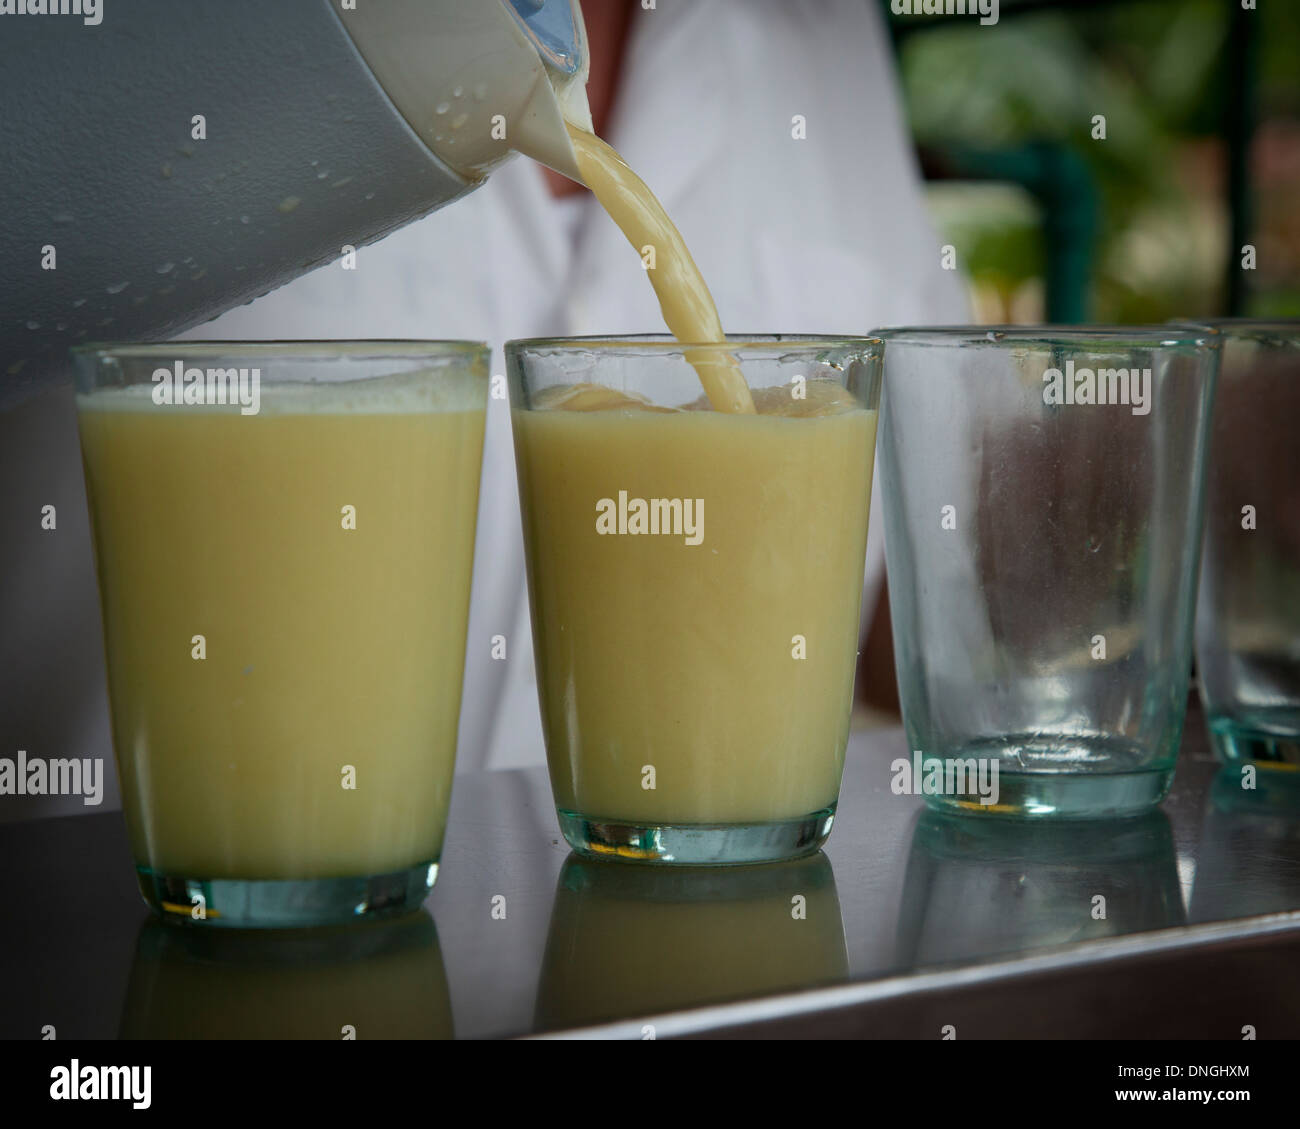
(1042, 494)
(1248, 617)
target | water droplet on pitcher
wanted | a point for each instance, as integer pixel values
(459, 120)
(118, 287)
(480, 92)
(166, 268)
(288, 204)
(64, 217)
(244, 219)
(458, 92)
(442, 107)
(60, 327)
(33, 325)
(77, 303)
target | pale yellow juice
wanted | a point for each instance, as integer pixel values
(327, 651)
(725, 666)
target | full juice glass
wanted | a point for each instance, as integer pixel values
(695, 579)
(284, 538)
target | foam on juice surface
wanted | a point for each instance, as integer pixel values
(822, 398)
(404, 393)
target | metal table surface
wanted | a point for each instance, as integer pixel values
(1184, 921)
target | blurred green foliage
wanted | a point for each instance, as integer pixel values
(1157, 71)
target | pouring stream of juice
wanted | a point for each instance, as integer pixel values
(684, 297)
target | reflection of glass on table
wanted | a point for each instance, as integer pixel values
(632, 941)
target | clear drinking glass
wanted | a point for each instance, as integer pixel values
(284, 538)
(1248, 616)
(1043, 491)
(695, 579)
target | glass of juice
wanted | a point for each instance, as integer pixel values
(695, 577)
(1042, 491)
(1248, 617)
(284, 536)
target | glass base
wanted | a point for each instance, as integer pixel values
(1065, 795)
(237, 903)
(1075, 776)
(697, 844)
(1234, 742)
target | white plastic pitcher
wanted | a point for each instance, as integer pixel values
(176, 160)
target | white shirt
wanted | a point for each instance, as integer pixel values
(823, 233)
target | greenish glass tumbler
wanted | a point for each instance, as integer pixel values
(1248, 616)
(1042, 491)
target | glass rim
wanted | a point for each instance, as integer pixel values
(313, 349)
(1245, 327)
(1113, 336)
(649, 342)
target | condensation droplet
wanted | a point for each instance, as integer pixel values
(458, 92)
(341, 183)
(244, 219)
(459, 120)
(61, 327)
(64, 217)
(480, 91)
(288, 204)
(442, 107)
(118, 287)
(77, 303)
(33, 325)
(165, 268)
